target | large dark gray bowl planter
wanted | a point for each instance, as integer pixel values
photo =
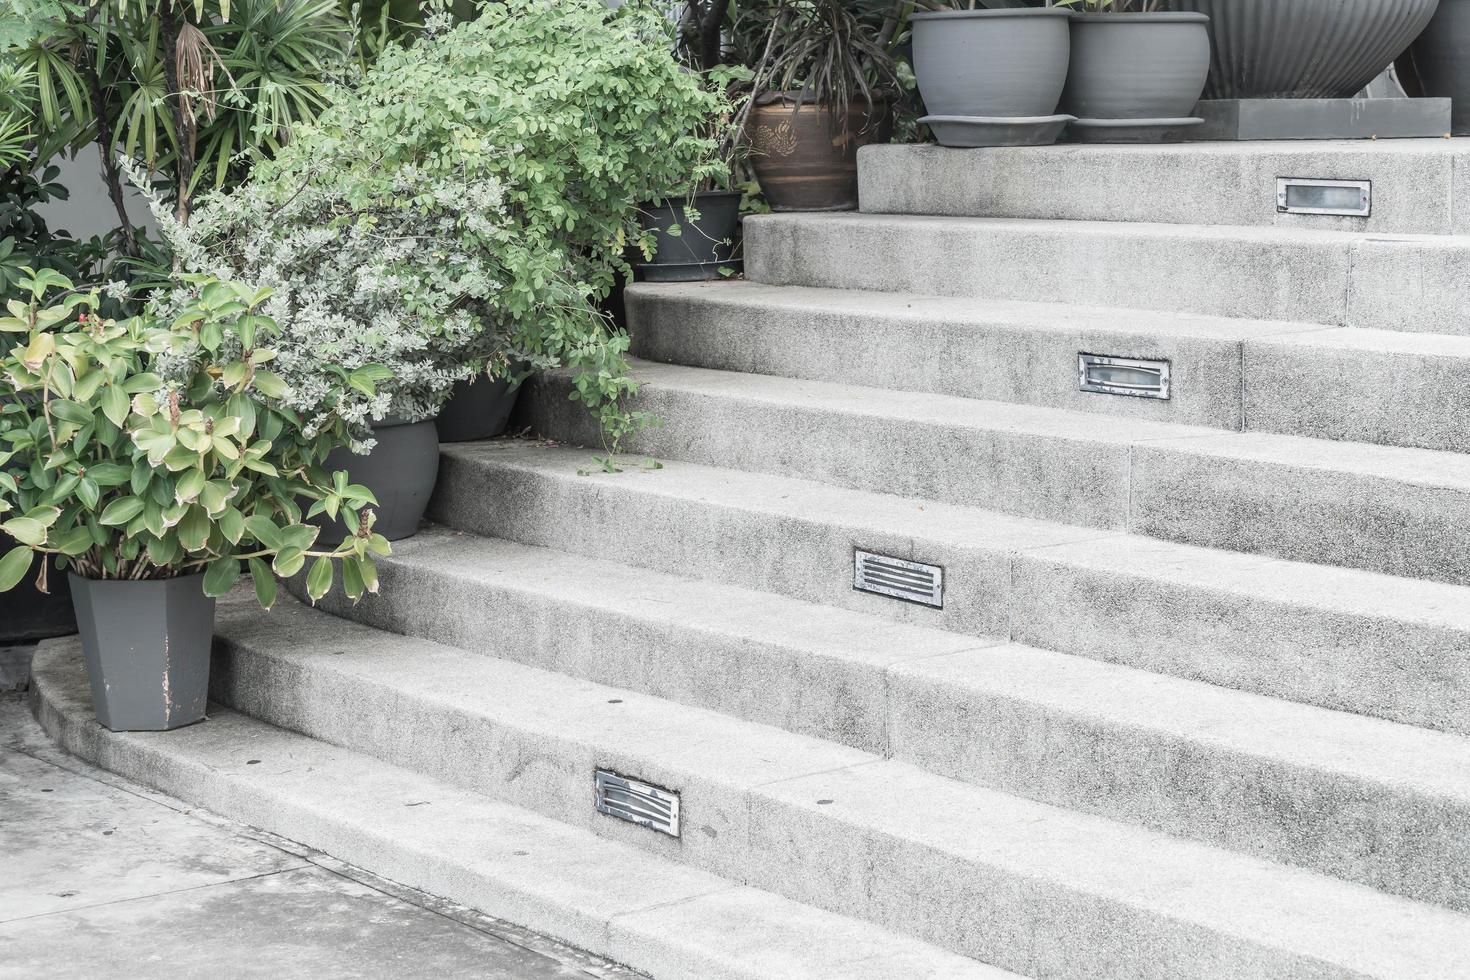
(478, 409)
(1149, 67)
(702, 248)
(27, 613)
(147, 647)
(1437, 65)
(400, 471)
(1304, 49)
(1001, 69)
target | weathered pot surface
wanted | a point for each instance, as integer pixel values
(992, 63)
(805, 158)
(147, 647)
(1304, 49)
(1137, 66)
(478, 409)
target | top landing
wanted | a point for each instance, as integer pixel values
(1407, 186)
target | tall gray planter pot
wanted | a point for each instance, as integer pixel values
(1135, 74)
(1438, 63)
(1304, 49)
(992, 77)
(400, 471)
(702, 248)
(27, 613)
(147, 648)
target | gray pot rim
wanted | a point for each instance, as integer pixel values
(394, 421)
(698, 195)
(992, 14)
(74, 577)
(1153, 17)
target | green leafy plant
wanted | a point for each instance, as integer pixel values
(149, 450)
(1113, 6)
(466, 205)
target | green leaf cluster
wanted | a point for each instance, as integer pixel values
(472, 199)
(152, 448)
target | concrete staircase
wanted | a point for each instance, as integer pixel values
(1196, 705)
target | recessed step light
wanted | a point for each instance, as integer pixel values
(637, 802)
(1304, 195)
(896, 578)
(1131, 376)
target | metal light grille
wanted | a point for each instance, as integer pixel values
(896, 578)
(1129, 376)
(636, 802)
(1303, 195)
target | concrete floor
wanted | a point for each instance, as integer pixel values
(101, 878)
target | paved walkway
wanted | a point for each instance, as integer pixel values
(101, 878)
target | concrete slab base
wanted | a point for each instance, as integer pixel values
(1318, 119)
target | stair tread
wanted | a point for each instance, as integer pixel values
(1113, 229)
(609, 896)
(1289, 909)
(1356, 745)
(1065, 318)
(1251, 576)
(1431, 467)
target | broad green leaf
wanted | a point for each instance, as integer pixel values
(220, 576)
(121, 511)
(319, 579)
(264, 581)
(13, 567)
(115, 405)
(26, 531)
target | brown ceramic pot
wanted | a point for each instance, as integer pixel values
(805, 158)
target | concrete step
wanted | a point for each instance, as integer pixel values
(1391, 282)
(1380, 386)
(1390, 647)
(1387, 509)
(1414, 186)
(1383, 804)
(660, 916)
(1028, 887)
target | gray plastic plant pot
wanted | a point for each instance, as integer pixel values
(400, 471)
(1137, 66)
(702, 248)
(27, 613)
(147, 647)
(1437, 65)
(478, 409)
(990, 64)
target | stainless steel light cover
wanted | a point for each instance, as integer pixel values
(1307, 195)
(1131, 376)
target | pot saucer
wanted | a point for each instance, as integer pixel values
(1130, 130)
(970, 131)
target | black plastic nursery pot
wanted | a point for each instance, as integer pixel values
(147, 648)
(27, 613)
(1135, 75)
(701, 248)
(993, 77)
(401, 472)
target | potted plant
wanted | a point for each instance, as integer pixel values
(458, 213)
(991, 73)
(823, 81)
(1135, 69)
(1304, 49)
(694, 234)
(150, 460)
(1435, 65)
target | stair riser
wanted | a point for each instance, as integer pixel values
(783, 686)
(1289, 384)
(1396, 669)
(1355, 829)
(1178, 491)
(1324, 516)
(1377, 283)
(761, 835)
(1370, 832)
(994, 362)
(1390, 398)
(1413, 192)
(1065, 480)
